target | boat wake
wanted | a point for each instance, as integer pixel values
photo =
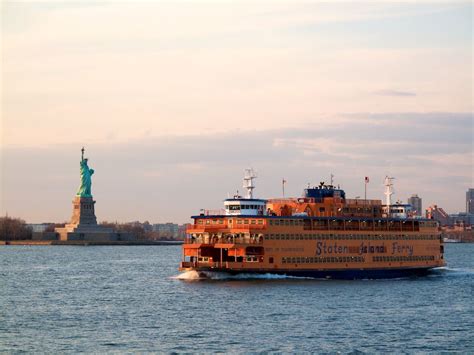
(211, 275)
(451, 271)
(189, 276)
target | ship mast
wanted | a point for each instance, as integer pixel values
(388, 191)
(248, 182)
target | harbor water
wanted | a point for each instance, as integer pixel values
(129, 299)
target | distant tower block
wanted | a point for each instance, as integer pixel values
(470, 201)
(416, 203)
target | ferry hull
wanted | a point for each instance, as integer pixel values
(346, 274)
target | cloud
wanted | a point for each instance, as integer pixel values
(171, 177)
(395, 93)
(189, 68)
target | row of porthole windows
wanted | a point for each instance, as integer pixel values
(348, 237)
(429, 224)
(403, 258)
(326, 259)
(299, 222)
(286, 222)
(211, 221)
(238, 221)
(246, 221)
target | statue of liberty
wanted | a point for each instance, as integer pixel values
(86, 181)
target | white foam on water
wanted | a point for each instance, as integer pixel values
(189, 276)
(216, 275)
(268, 276)
(455, 271)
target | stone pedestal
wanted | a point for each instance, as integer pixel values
(83, 225)
(83, 211)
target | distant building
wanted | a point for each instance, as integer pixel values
(39, 227)
(169, 229)
(416, 204)
(440, 215)
(470, 201)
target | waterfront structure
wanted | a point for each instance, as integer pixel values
(416, 204)
(462, 219)
(168, 229)
(83, 224)
(438, 214)
(39, 227)
(321, 234)
(470, 201)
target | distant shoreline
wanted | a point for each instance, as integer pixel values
(90, 243)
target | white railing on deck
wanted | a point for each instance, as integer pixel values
(219, 212)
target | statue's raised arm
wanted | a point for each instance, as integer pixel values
(86, 178)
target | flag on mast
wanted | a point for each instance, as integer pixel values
(283, 182)
(365, 185)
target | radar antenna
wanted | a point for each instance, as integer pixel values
(388, 190)
(248, 181)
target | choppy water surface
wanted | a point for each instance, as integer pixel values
(127, 299)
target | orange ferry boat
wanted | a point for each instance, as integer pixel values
(322, 234)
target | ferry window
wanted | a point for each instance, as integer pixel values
(282, 222)
(239, 221)
(287, 223)
(199, 221)
(271, 222)
(260, 221)
(253, 221)
(283, 260)
(246, 221)
(221, 221)
(291, 222)
(230, 221)
(207, 221)
(277, 223)
(293, 260)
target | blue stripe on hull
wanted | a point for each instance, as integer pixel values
(349, 274)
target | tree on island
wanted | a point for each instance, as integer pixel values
(14, 229)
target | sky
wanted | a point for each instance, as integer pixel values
(173, 100)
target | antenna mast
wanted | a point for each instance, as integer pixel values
(388, 190)
(248, 181)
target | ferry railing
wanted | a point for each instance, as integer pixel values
(196, 228)
(219, 212)
(362, 202)
(224, 240)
